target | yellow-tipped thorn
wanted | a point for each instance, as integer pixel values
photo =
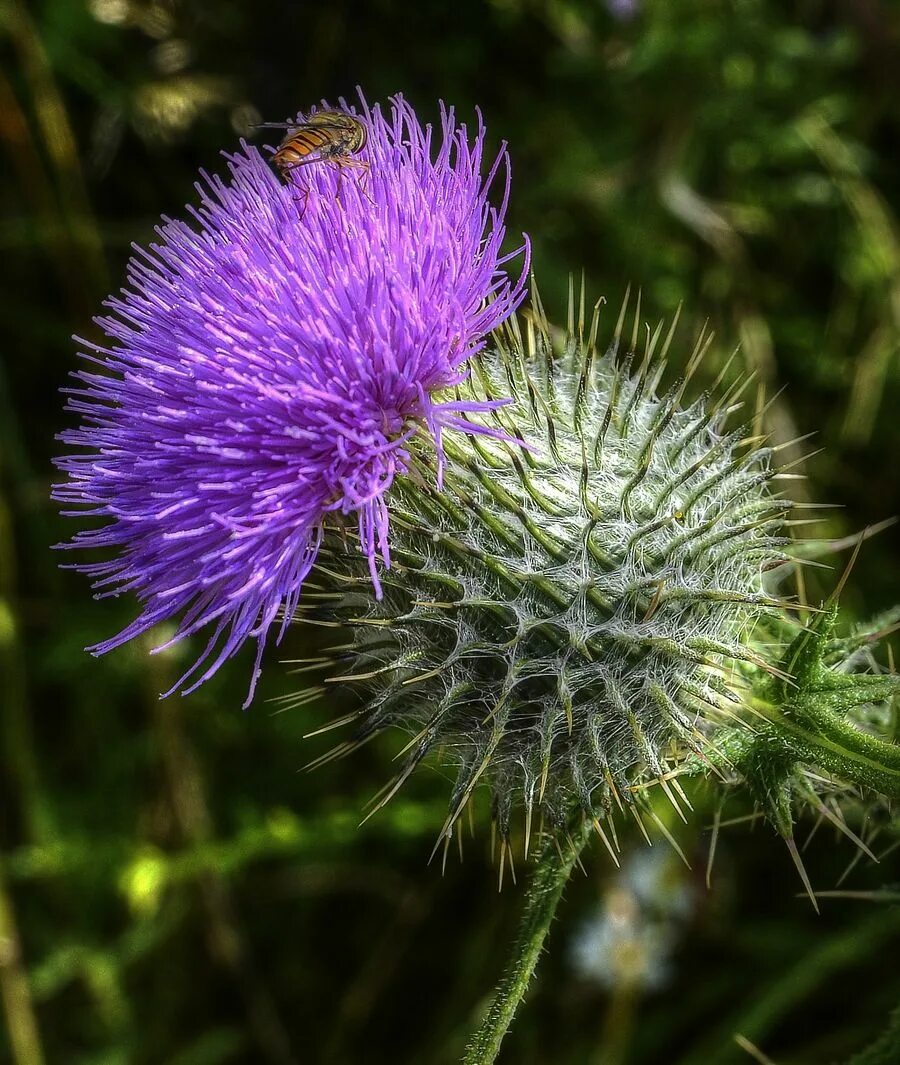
(606, 843)
(801, 869)
(670, 839)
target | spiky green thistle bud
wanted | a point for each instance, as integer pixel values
(565, 621)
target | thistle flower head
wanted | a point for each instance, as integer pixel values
(567, 624)
(269, 362)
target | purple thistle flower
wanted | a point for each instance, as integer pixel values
(268, 366)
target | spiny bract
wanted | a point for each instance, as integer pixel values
(566, 620)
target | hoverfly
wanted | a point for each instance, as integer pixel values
(326, 136)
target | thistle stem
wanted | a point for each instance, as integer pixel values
(828, 740)
(551, 873)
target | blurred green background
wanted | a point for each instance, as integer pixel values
(172, 888)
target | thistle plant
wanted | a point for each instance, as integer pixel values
(554, 573)
(592, 608)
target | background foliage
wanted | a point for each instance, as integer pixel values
(172, 889)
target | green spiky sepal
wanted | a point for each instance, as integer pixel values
(564, 621)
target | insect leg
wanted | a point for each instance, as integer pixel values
(301, 162)
(305, 190)
(355, 164)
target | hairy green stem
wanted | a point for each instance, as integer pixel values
(552, 871)
(827, 740)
